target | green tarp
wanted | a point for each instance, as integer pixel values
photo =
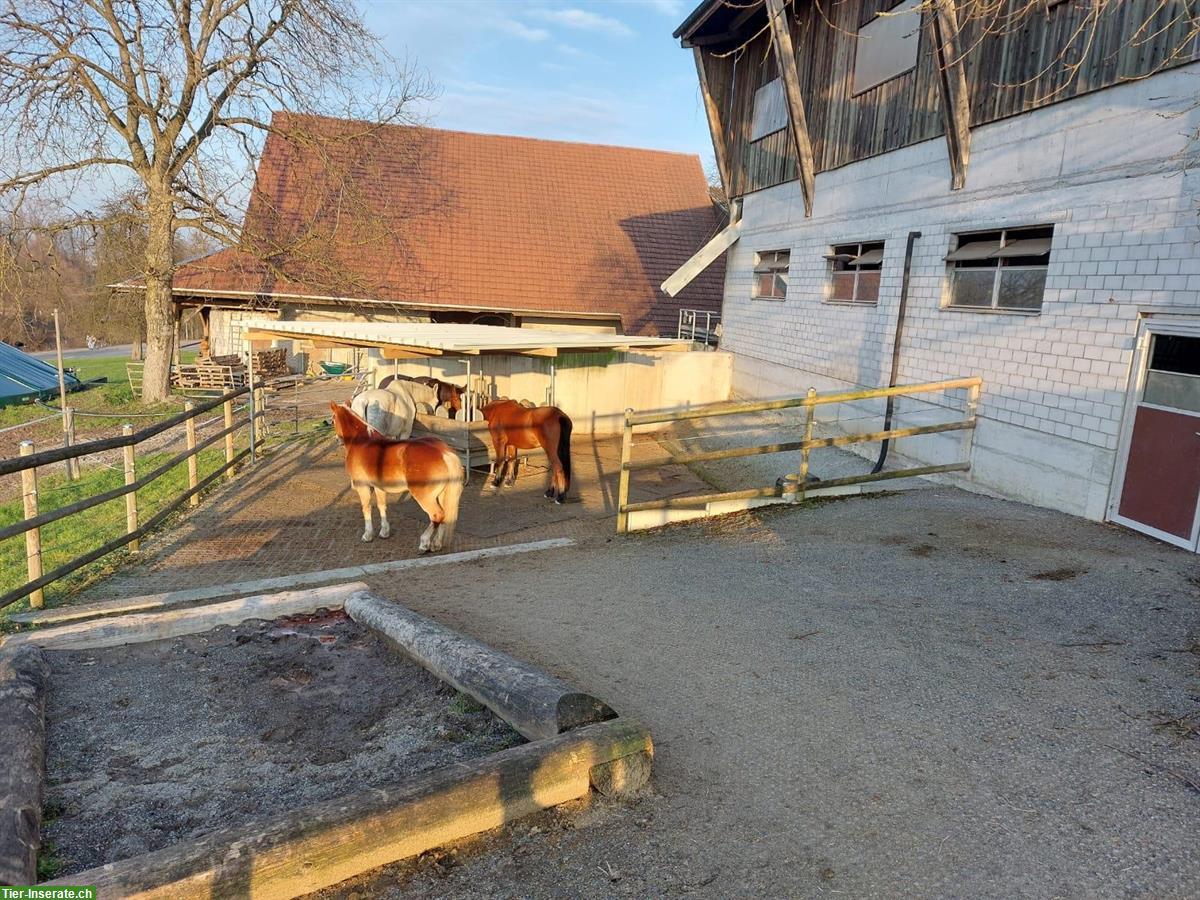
(22, 377)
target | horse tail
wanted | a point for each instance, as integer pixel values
(564, 448)
(451, 495)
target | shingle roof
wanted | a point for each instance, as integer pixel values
(452, 219)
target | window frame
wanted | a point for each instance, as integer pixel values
(858, 250)
(768, 262)
(1008, 235)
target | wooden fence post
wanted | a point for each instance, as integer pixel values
(229, 438)
(69, 441)
(33, 537)
(810, 411)
(193, 475)
(971, 413)
(623, 486)
(131, 514)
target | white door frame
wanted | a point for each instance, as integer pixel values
(1148, 326)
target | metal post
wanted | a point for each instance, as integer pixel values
(131, 515)
(252, 407)
(68, 433)
(193, 475)
(553, 380)
(810, 412)
(229, 438)
(623, 484)
(470, 418)
(33, 537)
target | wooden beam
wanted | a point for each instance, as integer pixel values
(785, 56)
(702, 259)
(540, 351)
(952, 80)
(24, 679)
(396, 351)
(715, 128)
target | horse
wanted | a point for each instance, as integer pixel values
(425, 467)
(427, 390)
(514, 427)
(391, 413)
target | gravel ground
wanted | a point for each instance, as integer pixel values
(154, 743)
(928, 694)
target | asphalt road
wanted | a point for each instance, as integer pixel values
(99, 352)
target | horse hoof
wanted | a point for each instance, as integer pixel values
(549, 495)
(385, 533)
(560, 499)
(367, 538)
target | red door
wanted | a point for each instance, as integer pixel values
(1162, 471)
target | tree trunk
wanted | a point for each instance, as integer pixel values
(160, 321)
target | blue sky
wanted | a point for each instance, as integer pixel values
(603, 71)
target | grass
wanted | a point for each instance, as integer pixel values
(75, 535)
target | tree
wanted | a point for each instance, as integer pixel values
(172, 98)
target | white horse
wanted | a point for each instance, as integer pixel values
(419, 391)
(390, 412)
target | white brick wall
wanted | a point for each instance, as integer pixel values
(1109, 170)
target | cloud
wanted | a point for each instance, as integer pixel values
(583, 20)
(667, 7)
(520, 30)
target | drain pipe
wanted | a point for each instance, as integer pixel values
(887, 415)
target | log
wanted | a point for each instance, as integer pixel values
(138, 628)
(536, 704)
(316, 846)
(24, 676)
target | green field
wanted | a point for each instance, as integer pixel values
(75, 535)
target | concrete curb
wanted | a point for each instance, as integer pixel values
(168, 599)
(137, 628)
(24, 677)
(536, 704)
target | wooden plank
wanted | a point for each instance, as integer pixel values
(395, 351)
(952, 78)
(137, 628)
(24, 678)
(715, 128)
(785, 56)
(702, 259)
(316, 846)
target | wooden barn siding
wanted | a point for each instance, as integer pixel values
(1007, 74)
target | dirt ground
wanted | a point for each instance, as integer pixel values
(928, 694)
(154, 743)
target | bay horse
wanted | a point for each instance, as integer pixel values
(391, 413)
(514, 427)
(425, 467)
(427, 390)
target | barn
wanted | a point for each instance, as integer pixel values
(928, 192)
(355, 222)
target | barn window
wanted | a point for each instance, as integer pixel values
(1000, 270)
(770, 114)
(887, 46)
(770, 275)
(854, 273)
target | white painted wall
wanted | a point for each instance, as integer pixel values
(1109, 170)
(594, 389)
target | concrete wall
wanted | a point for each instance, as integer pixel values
(1110, 170)
(593, 388)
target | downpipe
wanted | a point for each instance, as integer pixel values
(899, 336)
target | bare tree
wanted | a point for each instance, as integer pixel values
(172, 98)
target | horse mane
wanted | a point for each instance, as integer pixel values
(350, 428)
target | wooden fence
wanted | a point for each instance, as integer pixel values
(794, 487)
(28, 463)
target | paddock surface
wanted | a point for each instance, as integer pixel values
(295, 512)
(925, 694)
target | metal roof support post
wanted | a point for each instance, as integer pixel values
(470, 417)
(553, 380)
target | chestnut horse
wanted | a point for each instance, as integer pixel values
(514, 427)
(424, 467)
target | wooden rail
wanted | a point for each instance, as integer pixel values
(795, 486)
(28, 462)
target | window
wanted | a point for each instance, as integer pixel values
(770, 113)
(854, 273)
(1000, 270)
(1173, 376)
(887, 46)
(770, 275)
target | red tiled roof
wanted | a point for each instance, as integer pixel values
(451, 219)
